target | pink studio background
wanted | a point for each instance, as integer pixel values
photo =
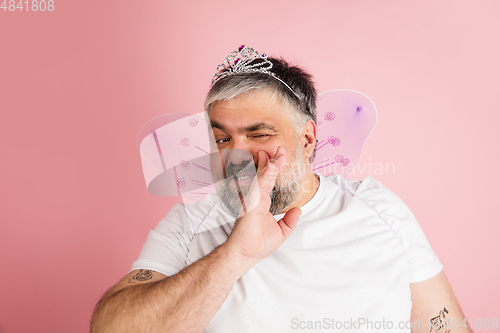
(77, 84)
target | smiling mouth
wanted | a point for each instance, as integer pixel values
(243, 177)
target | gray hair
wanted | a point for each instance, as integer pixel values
(302, 107)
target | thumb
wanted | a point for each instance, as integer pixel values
(289, 221)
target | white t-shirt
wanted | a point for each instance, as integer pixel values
(347, 266)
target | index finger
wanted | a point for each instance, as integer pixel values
(269, 168)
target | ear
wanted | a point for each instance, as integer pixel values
(308, 138)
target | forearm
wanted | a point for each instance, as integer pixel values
(186, 301)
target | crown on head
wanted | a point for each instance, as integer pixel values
(242, 61)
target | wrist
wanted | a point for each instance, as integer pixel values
(239, 263)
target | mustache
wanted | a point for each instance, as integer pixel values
(244, 168)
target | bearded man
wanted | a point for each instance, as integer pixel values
(280, 248)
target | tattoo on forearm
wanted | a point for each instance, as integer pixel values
(143, 275)
(439, 323)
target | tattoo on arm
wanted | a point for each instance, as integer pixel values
(439, 323)
(143, 275)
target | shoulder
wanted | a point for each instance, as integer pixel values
(393, 212)
(349, 186)
(384, 205)
(370, 190)
(384, 201)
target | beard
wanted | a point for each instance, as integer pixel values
(285, 192)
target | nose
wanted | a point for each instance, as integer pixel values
(238, 152)
(237, 156)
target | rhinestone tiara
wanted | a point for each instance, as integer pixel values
(241, 61)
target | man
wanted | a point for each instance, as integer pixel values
(305, 252)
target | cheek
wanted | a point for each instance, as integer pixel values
(269, 148)
(290, 159)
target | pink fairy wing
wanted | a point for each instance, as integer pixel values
(345, 119)
(175, 158)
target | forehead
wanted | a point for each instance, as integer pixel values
(249, 108)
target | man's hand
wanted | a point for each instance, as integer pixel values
(257, 234)
(187, 301)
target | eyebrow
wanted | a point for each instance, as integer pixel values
(249, 128)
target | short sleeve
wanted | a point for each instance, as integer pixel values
(422, 260)
(166, 247)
